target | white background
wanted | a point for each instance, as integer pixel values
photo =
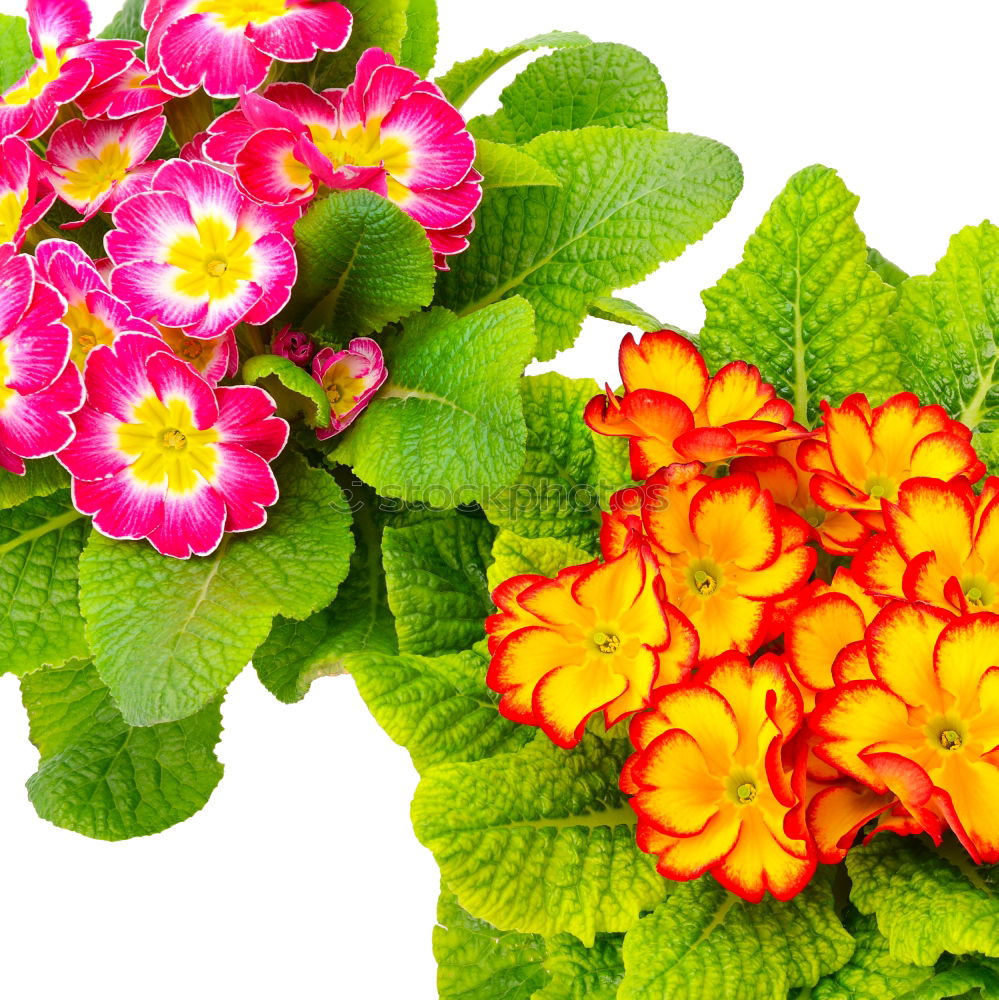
(302, 879)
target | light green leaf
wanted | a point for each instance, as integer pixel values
(169, 635)
(580, 973)
(514, 555)
(363, 263)
(127, 23)
(436, 577)
(41, 478)
(438, 708)
(475, 961)
(630, 199)
(946, 327)
(419, 46)
(567, 474)
(303, 394)
(706, 942)
(40, 545)
(924, 904)
(889, 273)
(100, 778)
(971, 980)
(448, 425)
(804, 305)
(506, 166)
(15, 50)
(604, 84)
(540, 841)
(464, 78)
(618, 310)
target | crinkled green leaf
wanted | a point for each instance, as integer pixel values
(514, 555)
(506, 166)
(603, 84)
(304, 395)
(103, 779)
(889, 273)
(363, 263)
(971, 980)
(567, 473)
(946, 327)
(540, 841)
(618, 310)
(41, 478)
(924, 904)
(464, 78)
(439, 707)
(580, 973)
(630, 200)
(419, 46)
(475, 961)
(169, 635)
(448, 425)
(706, 942)
(436, 577)
(804, 305)
(15, 50)
(40, 545)
(127, 23)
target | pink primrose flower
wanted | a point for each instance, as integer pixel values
(25, 191)
(129, 93)
(349, 378)
(297, 347)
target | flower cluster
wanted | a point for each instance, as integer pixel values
(799, 625)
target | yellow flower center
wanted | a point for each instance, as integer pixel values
(197, 352)
(979, 591)
(93, 175)
(40, 76)
(363, 146)
(741, 786)
(242, 13)
(342, 388)
(212, 262)
(950, 739)
(11, 209)
(168, 446)
(704, 577)
(815, 516)
(606, 642)
(88, 331)
(881, 488)
(947, 732)
(5, 393)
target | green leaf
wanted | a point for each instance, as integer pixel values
(514, 555)
(363, 263)
(277, 373)
(622, 311)
(580, 973)
(924, 904)
(448, 425)
(604, 84)
(704, 941)
(540, 841)
(15, 50)
(630, 199)
(567, 473)
(103, 779)
(438, 708)
(40, 545)
(968, 979)
(804, 305)
(169, 635)
(889, 273)
(41, 478)
(475, 961)
(436, 577)
(871, 973)
(127, 23)
(946, 327)
(464, 78)
(505, 166)
(419, 46)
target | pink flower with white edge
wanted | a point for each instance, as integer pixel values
(228, 46)
(39, 388)
(94, 316)
(161, 454)
(389, 132)
(297, 347)
(97, 164)
(349, 378)
(68, 61)
(25, 192)
(195, 254)
(129, 93)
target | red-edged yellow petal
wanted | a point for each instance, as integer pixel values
(832, 494)
(987, 536)
(707, 444)
(667, 516)
(736, 393)
(973, 787)
(841, 534)
(660, 419)
(666, 362)
(611, 588)
(519, 663)
(785, 574)
(685, 858)
(852, 664)
(510, 615)
(567, 696)
(738, 521)
(924, 582)
(850, 446)
(986, 722)
(551, 601)
(966, 649)
(727, 622)
(933, 516)
(707, 717)
(943, 455)
(844, 582)
(817, 635)
(837, 812)
(879, 568)
(776, 475)
(641, 670)
(678, 658)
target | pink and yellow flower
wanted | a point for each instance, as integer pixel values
(96, 165)
(129, 93)
(227, 47)
(39, 388)
(195, 254)
(389, 132)
(295, 346)
(350, 378)
(25, 191)
(212, 359)
(161, 454)
(594, 639)
(68, 61)
(710, 782)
